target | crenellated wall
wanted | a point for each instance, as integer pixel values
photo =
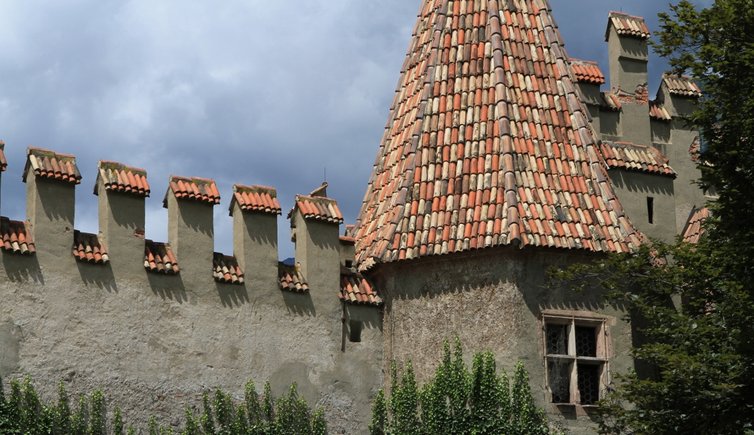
(154, 324)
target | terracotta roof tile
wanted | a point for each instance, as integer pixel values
(291, 279)
(159, 258)
(632, 157)
(658, 111)
(611, 102)
(318, 208)
(118, 177)
(261, 199)
(88, 248)
(194, 188)
(51, 165)
(16, 237)
(587, 71)
(3, 161)
(225, 269)
(628, 25)
(356, 289)
(486, 140)
(694, 230)
(681, 85)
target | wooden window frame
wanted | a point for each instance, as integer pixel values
(601, 359)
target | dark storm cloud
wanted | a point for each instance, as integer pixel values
(240, 91)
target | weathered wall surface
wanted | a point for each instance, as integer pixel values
(634, 188)
(153, 347)
(493, 301)
(153, 343)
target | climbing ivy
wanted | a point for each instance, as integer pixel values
(22, 412)
(458, 401)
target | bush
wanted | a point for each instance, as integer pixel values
(458, 401)
(21, 412)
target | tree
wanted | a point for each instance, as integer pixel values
(700, 356)
(458, 401)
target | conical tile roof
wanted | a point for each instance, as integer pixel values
(487, 143)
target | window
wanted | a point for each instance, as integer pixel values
(650, 210)
(354, 331)
(576, 359)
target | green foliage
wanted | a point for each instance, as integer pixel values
(458, 401)
(379, 415)
(118, 428)
(22, 412)
(695, 362)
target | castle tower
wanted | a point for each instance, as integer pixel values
(488, 174)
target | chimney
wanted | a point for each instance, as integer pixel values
(121, 192)
(315, 225)
(51, 180)
(190, 203)
(255, 237)
(626, 38)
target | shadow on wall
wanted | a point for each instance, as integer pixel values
(100, 275)
(168, 287)
(299, 304)
(639, 182)
(231, 295)
(22, 268)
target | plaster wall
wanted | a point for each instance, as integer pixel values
(492, 300)
(633, 188)
(154, 343)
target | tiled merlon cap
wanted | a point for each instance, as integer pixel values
(3, 161)
(627, 25)
(51, 165)
(194, 188)
(681, 85)
(587, 71)
(318, 208)
(259, 199)
(118, 177)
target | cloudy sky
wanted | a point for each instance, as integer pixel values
(242, 91)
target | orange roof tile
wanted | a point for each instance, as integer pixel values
(291, 279)
(611, 102)
(3, 161)
(356, 289)
(628, 25)
(16, 237)
(118, 177)
(88, 248)
(632, 157)
(225, 269)
(587, 71)
(51, 165)
(681, 85)
(694, 230)
(159, 258)
(193, 188)
(261, 199)
(486, 140)
(318, 208)
(658, 111)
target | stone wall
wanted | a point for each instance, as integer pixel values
(493, 300)
(154, 342)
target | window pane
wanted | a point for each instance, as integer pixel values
(557, 339)
(586, 341)
(589, 383)
(560, 380)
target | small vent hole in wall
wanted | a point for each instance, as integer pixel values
(354, 331)
(650, 210)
